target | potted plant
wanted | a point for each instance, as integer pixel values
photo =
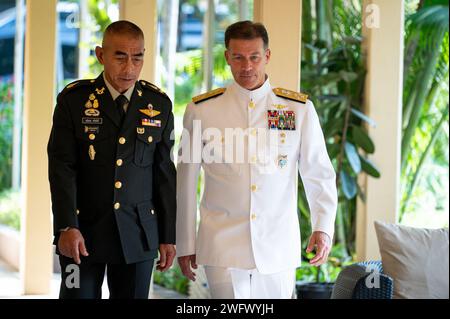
(316, 282)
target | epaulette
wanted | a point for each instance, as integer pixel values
(208, 95)
(153, 87)
(74, 85)
(291, 95)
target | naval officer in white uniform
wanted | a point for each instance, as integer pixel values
(251, 141)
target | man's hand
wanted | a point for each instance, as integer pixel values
(167, 255)
(71, 244)
(322, 242)
(186, 264)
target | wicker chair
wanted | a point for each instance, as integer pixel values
(351, 282)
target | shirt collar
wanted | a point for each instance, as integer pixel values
(252, 94)
(115, 93)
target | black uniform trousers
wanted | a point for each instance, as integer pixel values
(84, 281)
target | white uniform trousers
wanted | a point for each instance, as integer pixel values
(232, 283)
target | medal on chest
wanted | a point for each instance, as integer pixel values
(281, 120)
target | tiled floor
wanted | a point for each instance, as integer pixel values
(10, 287)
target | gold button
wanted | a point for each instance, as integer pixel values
(253, 216)
(150, 139)
(251, 105)
(118, 185)
(283, 141)
(223, 139)
(153, 212)
(283, 134)
(92, 137)
(119, 162)
(78, 212)
(116, 206)
(254, 159)
(254, 188)
(122, 140)
(253, 132)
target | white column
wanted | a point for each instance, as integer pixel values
(283, 23)
(383, 24)
(144, 14)
(39, 99)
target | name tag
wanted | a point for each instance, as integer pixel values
(92, 120)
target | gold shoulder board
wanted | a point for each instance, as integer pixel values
(208, 95)
(291, 95)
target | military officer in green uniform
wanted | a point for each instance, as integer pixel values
(111, 175)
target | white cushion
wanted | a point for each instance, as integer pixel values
(417, 260)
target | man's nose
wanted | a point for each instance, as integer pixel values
(246, 65)
(128, 66)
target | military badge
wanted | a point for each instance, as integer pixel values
(100, 91)
(92, 121)
(149, 122)
(281, 120)
(91, 112)
(95, 104)
(92, 97)
(282, 161)
(88, 104)
(91, 129)
(139, 92)
(150, 113)
(91, 152)
(140, 130)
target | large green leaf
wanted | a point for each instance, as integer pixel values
(362, 139)
(348, 76)
(353, 157)
(331, 128)
(348, 185)
(333, 150)
(369, 167)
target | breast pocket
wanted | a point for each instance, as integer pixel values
(145, 147)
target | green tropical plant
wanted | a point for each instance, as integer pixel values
(333, 74)
(6, 131)
(98, 10)
(10, 209)
(425, 107)
(172, 279)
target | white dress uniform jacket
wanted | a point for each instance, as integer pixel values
(248, 211)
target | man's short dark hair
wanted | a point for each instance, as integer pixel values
(246, 30)
(123, 27)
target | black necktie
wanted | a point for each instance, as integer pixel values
(121, 100)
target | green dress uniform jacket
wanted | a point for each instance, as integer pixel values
(113, 179)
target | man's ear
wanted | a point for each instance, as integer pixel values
(227, 56)
(99, 54)
(268, 54)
